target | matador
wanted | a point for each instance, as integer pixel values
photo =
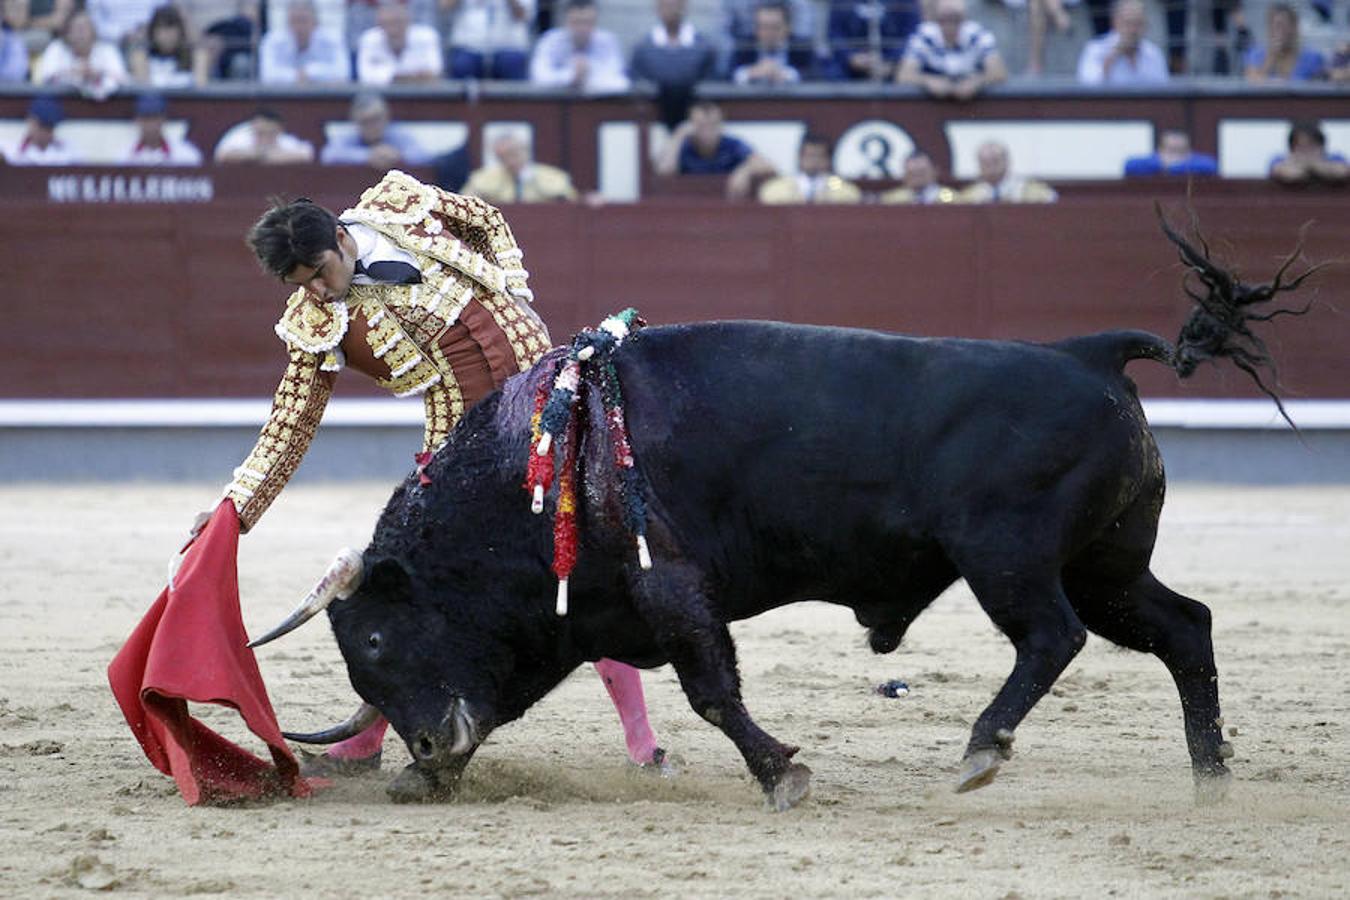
(425, 292)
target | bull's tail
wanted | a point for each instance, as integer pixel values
(1220, 326)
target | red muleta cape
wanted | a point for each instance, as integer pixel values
(191, 645)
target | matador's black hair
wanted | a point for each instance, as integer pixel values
(292, 233)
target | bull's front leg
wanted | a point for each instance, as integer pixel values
(672, 600)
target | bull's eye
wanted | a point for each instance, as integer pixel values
(373, 642)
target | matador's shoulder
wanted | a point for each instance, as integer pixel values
(312, 326)
(398, 199)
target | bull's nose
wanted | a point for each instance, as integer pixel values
(425, 747)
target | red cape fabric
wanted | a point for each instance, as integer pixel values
(191, 645)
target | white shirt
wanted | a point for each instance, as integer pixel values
(661, 37)
(373, 247)
(552, 63)
(376, 62)
(242, 137)
(1149, 66)
(173, 152)
(26, 153)
(484, 25)
(280, 60)
(114, 19)
(57, 65)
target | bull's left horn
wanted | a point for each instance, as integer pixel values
(362, 719)
(338, 583)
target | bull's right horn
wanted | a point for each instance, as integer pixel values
(338, 583)
(362, 719)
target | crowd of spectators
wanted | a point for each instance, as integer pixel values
(940, 45)
(97, 47)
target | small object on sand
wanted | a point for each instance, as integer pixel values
(893, 688)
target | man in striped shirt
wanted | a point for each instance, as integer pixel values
(950, 56)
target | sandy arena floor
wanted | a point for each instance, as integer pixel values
(1097, 801)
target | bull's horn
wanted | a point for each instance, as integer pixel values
(338, 583)
(362, 719)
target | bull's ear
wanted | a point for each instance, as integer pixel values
(389, 577)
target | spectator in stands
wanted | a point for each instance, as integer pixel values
(1308, 159)
(39, 145)
(516, 179)
(815, 181)
(997, 184)
(362, 15)
(952, 57)
(77, 59)
(920, 183)
(739, 24)
(376, 142)
(38, 21)
(300, 53)
(13, 47)
(867, 37)
(153, 146)
(773, 59)
(699, 147)
(226, 46)
(1283, 58)
(263, 140)
(1174, 157)
(397, 51)
(491, 39)
(1123, 56)
(675, 57)
(165, 60)
(1339, 70)
(121, 23)
(1041, 14)
(578, 55)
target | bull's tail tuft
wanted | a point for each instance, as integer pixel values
(1220, 326)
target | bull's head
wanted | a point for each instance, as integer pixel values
(440, 663)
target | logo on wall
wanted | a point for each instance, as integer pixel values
(873, 148)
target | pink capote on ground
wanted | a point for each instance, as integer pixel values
(191, 646)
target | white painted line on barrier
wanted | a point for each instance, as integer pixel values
(377, 412)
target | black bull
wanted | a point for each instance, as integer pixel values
(786, 463)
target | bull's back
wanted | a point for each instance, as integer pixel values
(798, 445)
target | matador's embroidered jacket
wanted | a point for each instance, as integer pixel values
(398, 333)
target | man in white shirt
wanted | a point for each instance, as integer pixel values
(263, 139)
(300, 53)
(153, 147)
(79, 60)
(39, 145)
(1123, 56)
(398, 51)
(579, 55)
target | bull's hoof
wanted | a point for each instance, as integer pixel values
(1212, 785)
(418, 785)
(791, 788)
(321, 765)
(978, 769)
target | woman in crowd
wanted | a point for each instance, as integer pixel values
(166, 59)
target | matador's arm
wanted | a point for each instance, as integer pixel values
(296, 411)
(480, 214)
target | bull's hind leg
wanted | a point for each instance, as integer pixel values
(1148, 616)
(1033, 611)
(699, 646)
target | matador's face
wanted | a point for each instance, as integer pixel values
(328, 280)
